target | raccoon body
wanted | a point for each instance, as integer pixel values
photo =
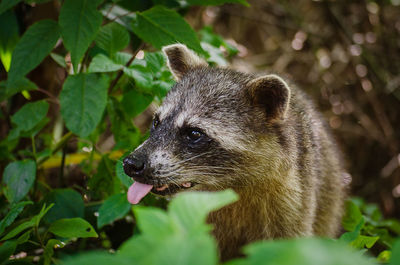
(218, 129)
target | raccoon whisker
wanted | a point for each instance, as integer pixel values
(191, 158)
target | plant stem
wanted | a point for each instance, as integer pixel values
(57, 147)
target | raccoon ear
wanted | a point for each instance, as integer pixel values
(181, 59)
(271, 93)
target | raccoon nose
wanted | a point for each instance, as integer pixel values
(133, 165)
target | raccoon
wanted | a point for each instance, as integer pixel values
(219, 128)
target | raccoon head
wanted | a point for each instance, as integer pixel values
(205, 134)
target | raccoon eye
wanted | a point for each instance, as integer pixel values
(195, 135)
(156, 122)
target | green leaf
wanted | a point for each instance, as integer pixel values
(98, 258)
(112, 38)
(155, 61)
(8, 37)
(103, 183)
(16, 209)
(364, 241)
(19, 86)
(305, 251)
(7, 249)
(352, 217)
(215, 2)
(7, 4)
(34, 222)
(101, 63)
(141, 74)
(79, 21)
(49, 249)
(395, 257)
(124, 178)
(114, 208)
(83, 100)
(135, 102)
(190, 209)
(154, 222)
(19, 177)
(30, 115)
(73, 227)
(160, 26)
(68, 203)
(41, 38)
(384, 256)
(58, 59)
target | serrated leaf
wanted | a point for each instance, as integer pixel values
(190, 209)
(114, 208)
(112, 38)
(142, 76)
(155, 61)
(30, 115)
(73, 227)
(16, 209)
(7, 4)
(102, 64)
(215, 2)
(160, 26)
(135, 102)
(83, 100)
(19, 177)
(79, 21)
(8, 37)
(41, 38)
(68, 203)
(154, 222)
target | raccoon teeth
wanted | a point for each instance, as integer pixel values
(163, 187)
(186, 184)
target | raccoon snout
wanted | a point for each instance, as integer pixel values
(134, 165)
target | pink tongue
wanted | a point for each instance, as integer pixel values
(137, 191)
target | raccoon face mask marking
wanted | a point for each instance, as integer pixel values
(204, 125)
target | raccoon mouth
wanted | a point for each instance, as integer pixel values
(138, 190)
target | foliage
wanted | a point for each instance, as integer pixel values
(109, 71)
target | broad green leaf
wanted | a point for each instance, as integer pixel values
(73, 227)
(155, 61)
(112, 38)
(16, 209)
(352, 216)
(19, 86)
(364, 241)
(395, 257)
(154, 222)
(384, 256)
(33, 222)
(160, 26)
(6, 250)
(101, 63)
(19, 177)
(215, 2)
(124, 178)
(58, 59)
(40, 38)
(9, 36)
(83, 100)
(68, 203)
(98, 258)
(7, 4)
(142, 76)
(190, 209)
(305, 251)
(349, 237)
(103, 183)
(114, 208)
(135, 102)
(79, 21)
(30, 115)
